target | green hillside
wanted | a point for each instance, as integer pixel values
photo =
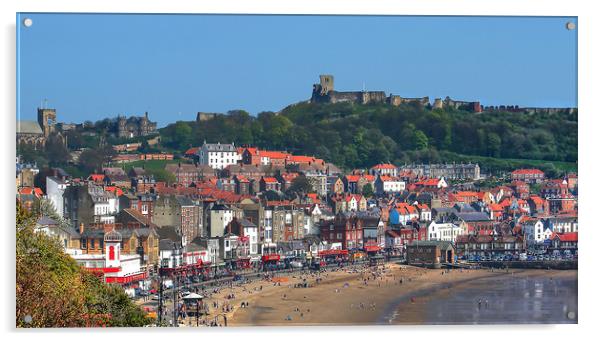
(353, 136)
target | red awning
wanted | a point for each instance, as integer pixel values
(270, 257)
(372, 248)
(126, 279)
(104, 270)
(332, 253)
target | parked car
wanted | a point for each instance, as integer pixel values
(155, 297)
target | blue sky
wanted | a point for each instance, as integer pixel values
(99, 65)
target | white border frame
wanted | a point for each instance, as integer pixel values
(589, 52)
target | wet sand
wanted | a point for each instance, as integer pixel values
(344, 298)
(525, 297)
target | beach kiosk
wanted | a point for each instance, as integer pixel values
(431, 253)
(333, 256)
(193, 304)
(270, 261)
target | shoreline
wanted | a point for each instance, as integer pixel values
(343, 298)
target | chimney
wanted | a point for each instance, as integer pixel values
(81, 228)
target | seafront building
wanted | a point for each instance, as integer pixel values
(237, 209)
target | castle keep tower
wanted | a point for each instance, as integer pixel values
(326, 84)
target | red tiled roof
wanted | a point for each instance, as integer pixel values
(352, 178)
(428, 182)
(496, 207)
(467, 194)
(537, 200)
(527, 171)
(567, 237)
(301, 158)
(388, 178)
(270, 179)
(369, 177)
(384, 166)
(273, 155)
(114, 189)
(191, 151)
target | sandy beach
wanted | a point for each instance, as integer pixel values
(354, 295)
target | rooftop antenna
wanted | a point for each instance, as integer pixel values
(45, 103)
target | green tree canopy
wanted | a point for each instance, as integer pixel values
(53, 291)
(367, 191)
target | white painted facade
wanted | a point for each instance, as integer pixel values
(394, 186)
(219, 219)
(444, 231)
(268, 224)
(534, 231)
(55, 188)
(217, 155)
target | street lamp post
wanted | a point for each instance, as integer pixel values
(161, 270)
(175, 286)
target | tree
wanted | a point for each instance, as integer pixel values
(56, 151)
(300, 184)
(52, 290)
(494, 144)
(92, 160)
(367, 191)
(421, 141)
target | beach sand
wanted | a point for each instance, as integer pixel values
(342, 297)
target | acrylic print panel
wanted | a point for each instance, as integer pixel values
(249, 170)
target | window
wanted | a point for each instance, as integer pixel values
(91, 243)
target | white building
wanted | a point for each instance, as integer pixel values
(55, 188)
(268, 223)
(563, 224)
(425, 212)
(217, 155)
(106, 204)
(219, 217)
(534, 231)
(124, 269)
(444, 231)
(389, 184)
(384, 169)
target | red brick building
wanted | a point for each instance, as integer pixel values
(529, 176)
(269, 184)
(346, 229)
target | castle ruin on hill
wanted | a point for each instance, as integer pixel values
(324, 92)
